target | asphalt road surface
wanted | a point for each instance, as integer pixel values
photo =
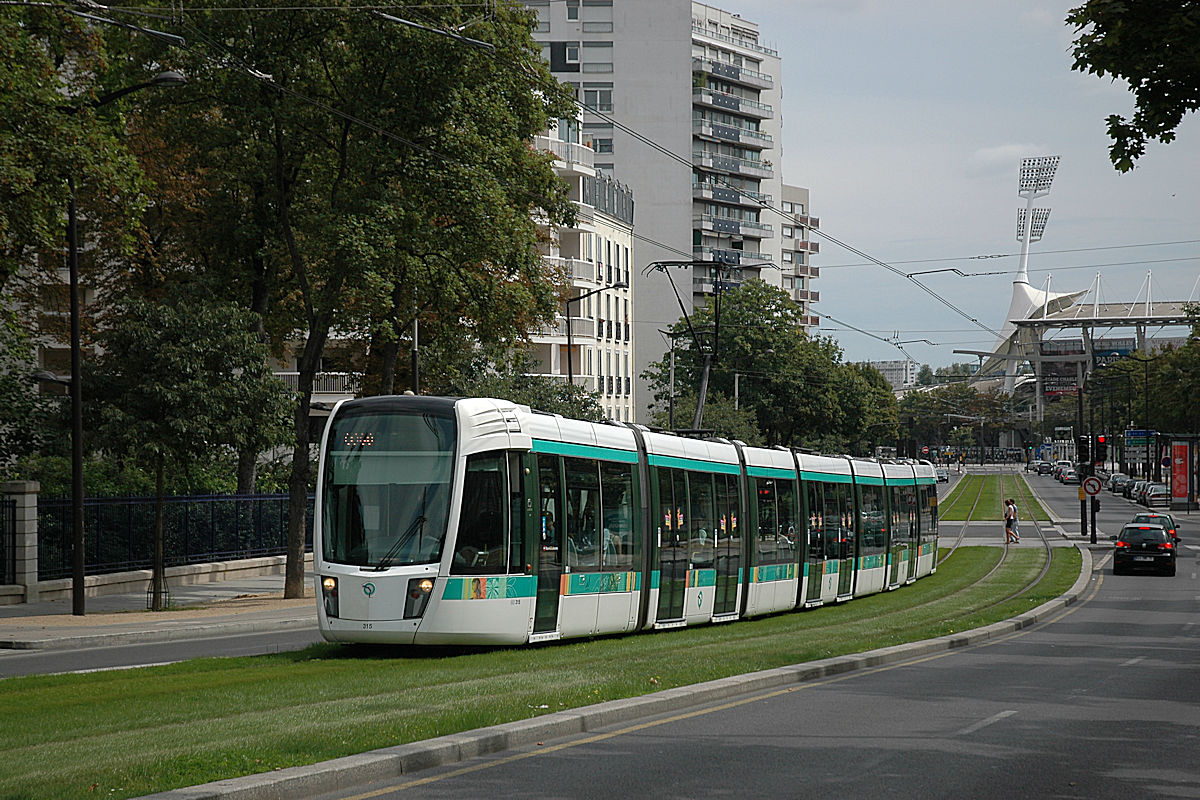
(1100, 701)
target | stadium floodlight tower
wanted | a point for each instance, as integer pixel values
(1033, 182)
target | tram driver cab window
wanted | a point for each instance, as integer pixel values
(481, 543)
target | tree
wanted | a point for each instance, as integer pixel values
(176, 381)
(925, 376)
(49, 64)
(25, 423)
(720, 417)
(506, 375)
(345, 222)
(1154, 45)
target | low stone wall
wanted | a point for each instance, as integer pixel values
(138, 580)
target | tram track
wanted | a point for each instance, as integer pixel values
(962, 531)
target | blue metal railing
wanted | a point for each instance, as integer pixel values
(119, 531)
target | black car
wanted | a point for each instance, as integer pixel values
(1044, 467)
(1143, 546)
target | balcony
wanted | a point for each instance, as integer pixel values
(740, 42)
(733, 73)
(570, 154)
(724, 194)
(327, 386)
(806, 294)
(732, 133)
(731, 102)
(574, 268)
(732, 164)
(734, 227)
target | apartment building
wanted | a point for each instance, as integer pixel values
(682, 100)
(591, 343)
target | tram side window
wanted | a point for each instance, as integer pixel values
(582, 512)
(701, 533)
(929, 520)
(549, 489)
(787, 521)
(839, 521)
(727, 525)
(776, 521)
(898, 508)
(911, 511)
(516, 515)
(481, 544)
(616, 490)
(873, 532)
(815, 495)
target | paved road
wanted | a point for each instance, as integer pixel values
(1097, 702)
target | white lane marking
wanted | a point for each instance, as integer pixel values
(1133, 661)
(992, 720)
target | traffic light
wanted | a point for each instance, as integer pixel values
(1101, 447)
(1081, 448)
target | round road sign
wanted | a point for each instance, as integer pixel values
(1092, 485)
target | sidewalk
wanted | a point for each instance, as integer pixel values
(240, 605)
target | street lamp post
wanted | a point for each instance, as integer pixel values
(168, 78)
(570, 342)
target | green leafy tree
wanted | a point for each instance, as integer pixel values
(507, 376)
(721, 416)
(791, 382)
(175, 382)
(423, 202)
(1153, 45)
(25, 423)
(925, 376)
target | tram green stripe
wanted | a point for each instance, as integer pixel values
(902, 481)
(769, 573)
(869, 479)
(870, 562)
(826, 477)
(490, 588)
(584, 451)
(578, 583)
(771, 472)
(701, 578)
(692, 463)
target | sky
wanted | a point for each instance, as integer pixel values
(907, 121)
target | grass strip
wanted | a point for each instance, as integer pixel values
(128, 733)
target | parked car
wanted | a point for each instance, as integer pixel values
(1142, 546)
(1157, 494)
(1118, 482)
(1131, 488)
(943, 475)
(1140, 495)
(1158, 518)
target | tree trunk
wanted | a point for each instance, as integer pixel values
(293, 585)
(158, 578)
(247, 470)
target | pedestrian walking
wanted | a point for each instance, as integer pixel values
(1011, 535)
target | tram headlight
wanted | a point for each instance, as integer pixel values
(417, 597)
(329, 595)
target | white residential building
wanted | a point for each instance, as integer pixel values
(683, 103)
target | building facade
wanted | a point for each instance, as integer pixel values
(682, 101)
(591, 343)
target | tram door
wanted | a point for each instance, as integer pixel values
(914, 534)
(673, 545)
(549, 566)
(898, 536)
(728, 544)
(816, 541)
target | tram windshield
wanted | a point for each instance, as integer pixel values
(386, 491)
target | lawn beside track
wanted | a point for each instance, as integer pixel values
(127, 733)
(990, 507)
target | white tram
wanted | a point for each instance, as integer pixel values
(460, 521)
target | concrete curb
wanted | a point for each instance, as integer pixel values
(183, 631)
(395, 762)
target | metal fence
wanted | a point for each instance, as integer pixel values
(119, 531)
(8, 540)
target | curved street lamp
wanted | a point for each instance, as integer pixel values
(570, 344)
(169, 78)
